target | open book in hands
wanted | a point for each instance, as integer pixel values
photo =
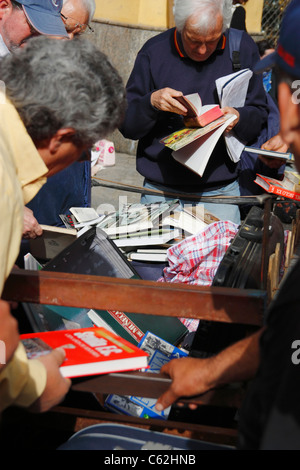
(193, 146)
(198, 115)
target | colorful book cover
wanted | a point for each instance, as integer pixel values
(185, 136)
(285, 188)
(89, 351)
(160, 352)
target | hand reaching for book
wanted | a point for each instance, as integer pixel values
(190, 376)
(164, 100)
(278, 145)
(56, 387)
(31, 227)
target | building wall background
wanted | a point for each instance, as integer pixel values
(158, 13)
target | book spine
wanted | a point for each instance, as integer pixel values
(127, 324)
(284, 192)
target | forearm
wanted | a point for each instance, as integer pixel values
(236, 363)
(191, 376)
(140, 116)
(21, 381)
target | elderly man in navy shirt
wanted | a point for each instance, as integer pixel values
(180, 61)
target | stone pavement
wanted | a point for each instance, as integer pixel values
(122, 172)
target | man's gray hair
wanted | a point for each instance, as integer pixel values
(57, 84)
(89, 5)
(206, 12)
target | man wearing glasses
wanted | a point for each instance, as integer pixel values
(76, 15)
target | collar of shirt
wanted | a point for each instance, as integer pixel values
(179, 45)
(30, 168)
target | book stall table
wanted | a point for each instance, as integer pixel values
(218, 304)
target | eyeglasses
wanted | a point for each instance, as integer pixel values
(82, 27)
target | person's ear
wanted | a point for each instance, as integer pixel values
(62, 136)
(5, 7)
(289, 113)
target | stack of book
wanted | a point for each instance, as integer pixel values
(135, 228)
(144, 232)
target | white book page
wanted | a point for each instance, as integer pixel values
(234, 147)
(232, 91)
(84, 214)
(195, 99)
(196, 155)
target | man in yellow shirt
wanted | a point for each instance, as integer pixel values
(61, 96)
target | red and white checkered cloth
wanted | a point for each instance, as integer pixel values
(195, 260)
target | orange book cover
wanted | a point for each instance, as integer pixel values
(89, 351)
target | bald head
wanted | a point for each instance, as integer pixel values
(76, 15)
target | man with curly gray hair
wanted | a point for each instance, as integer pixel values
(72, 187)
(61, 96)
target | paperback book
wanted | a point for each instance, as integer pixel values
(285, 188)
(188, 135)
(160, 352)
(151, 255)
(89, 351)
(52, 241)
(193, 147)
(163, 237)
(271, 153)
(204, 114)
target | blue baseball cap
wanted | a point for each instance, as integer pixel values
(44, 15)
(287, 54)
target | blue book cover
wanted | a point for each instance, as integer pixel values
(160, 352)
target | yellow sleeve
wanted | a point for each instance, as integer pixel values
(22, 381)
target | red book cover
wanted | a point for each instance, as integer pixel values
(204, 114)
(283, 188)
(209, 116)
(89, 351)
